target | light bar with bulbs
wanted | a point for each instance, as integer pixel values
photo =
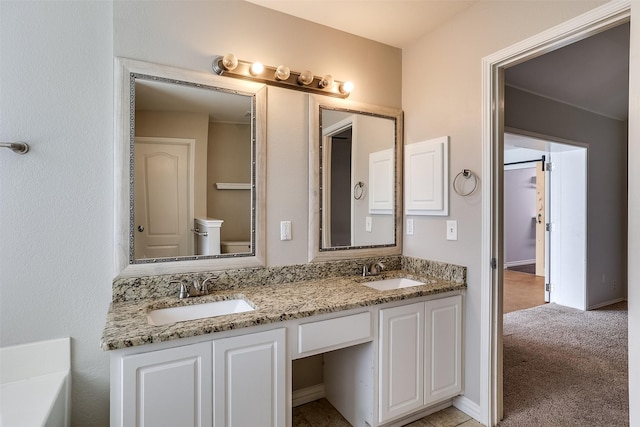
(229, 65)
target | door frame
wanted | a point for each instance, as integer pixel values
(597, 20)
(327, 146)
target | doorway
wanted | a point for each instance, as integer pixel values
(545, 221)
(584, 26)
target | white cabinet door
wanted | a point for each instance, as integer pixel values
(169, 387)
(401, 358)
(443, 339)
(249, 378)
(426, 177)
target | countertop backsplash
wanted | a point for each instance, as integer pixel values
(140, 288)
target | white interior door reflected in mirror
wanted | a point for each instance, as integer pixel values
(163, 189)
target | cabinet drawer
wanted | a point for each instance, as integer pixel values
(334, 333)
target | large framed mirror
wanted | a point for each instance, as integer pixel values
(190, 170)
(355, 176)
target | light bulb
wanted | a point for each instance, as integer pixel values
(326, 82)
(282, 73)
(256, 68)
(229, 62)
(346, 88)
(305, 78)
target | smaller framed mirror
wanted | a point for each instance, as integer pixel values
(355, 176)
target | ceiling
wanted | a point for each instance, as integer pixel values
(397, 23)
(221, 106)
(592, 74)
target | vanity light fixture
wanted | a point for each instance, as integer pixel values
(282, 73)
(305, 78)
(346, 88)
(282, 76)
(256, 69)
(326, 81)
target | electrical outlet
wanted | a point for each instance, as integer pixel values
(409, 227)
(285, 230)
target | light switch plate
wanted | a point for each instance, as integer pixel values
(367, 224)
(452, 230)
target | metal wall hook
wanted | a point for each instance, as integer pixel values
(16, 147)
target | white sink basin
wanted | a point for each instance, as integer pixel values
(395, 283)
(163, 316)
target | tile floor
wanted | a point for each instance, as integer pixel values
(320, 413)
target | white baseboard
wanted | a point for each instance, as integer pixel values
(306, 395)
(606, 303)
(467, 406)
(418, 415)
(518, 263)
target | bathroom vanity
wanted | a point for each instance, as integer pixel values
(388, 354)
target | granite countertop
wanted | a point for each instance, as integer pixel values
(126, 324)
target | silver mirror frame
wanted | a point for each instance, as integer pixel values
(316, 253)
(123, 166)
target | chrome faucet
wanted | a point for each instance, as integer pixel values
(373, 269)
(183, 291)
(202, 288)
(197, 289)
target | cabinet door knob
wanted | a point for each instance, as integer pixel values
(140, 228)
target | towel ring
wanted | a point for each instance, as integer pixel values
(466, 173)
(16, 147)
(358, 190)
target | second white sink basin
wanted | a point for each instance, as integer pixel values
(394, 283)
(164, 316)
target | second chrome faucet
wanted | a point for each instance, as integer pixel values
(194, 290)
(373, 269)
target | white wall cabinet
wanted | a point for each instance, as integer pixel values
(236, 381)
(426, 180)
(419, 356)
(249, 378)
(170, 387)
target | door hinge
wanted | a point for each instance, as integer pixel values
(494, 264)
(549, 166)
(547, 287)
(548, 226)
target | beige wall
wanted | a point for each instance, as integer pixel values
(442, 96)
(182, 125)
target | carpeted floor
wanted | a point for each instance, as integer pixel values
(566, 367)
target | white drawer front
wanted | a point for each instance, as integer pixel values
(333, 333)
